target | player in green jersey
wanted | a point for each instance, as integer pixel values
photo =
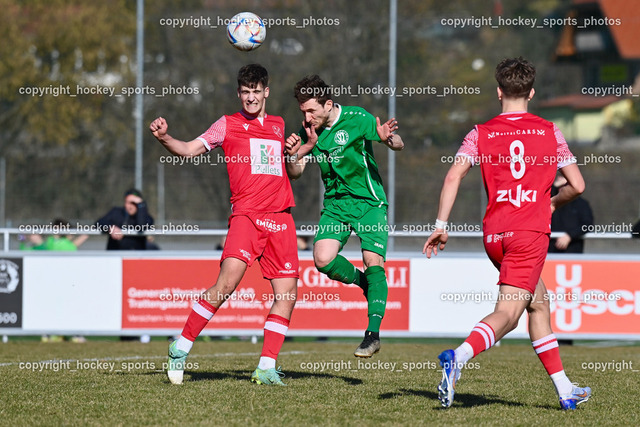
(339, 138)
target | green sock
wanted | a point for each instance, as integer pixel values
(377, 296)
(342, 270)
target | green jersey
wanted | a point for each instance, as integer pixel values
(56, 244)
(344, 154)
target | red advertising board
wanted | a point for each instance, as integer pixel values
(593, 297)
(158, 294)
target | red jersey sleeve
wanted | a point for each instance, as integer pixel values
(565, 157)
(214, 136)
(469, 147)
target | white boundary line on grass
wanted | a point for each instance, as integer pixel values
(125, 358)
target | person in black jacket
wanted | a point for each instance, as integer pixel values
(573, 219)
(132, 217)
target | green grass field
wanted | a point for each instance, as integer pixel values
(110, 383)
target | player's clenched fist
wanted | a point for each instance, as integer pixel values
(292, 144)
(159, 127)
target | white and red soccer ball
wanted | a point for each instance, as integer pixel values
(246, 31)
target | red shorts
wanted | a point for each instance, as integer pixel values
(519, 255)
(268, 237)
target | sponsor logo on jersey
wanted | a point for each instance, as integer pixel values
(266, 156)
(537, 132)
(245, 126)
(342, 137)
(277, 131)
(517, 197)
(334, 154)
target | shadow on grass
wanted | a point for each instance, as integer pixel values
(246, 375)
(190, 375)
(322, 375)
(217, 375)
(465, 400)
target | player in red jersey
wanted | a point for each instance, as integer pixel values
(519, 154)
(260, 227)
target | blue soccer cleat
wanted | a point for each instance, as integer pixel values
(175, 364)
(450, 375)
(269, 376)
(577, 396)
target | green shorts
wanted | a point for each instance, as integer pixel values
(340, 217)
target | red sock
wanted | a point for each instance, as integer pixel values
(481, 338)
(549, 354)
(200, 315)
(275, 329)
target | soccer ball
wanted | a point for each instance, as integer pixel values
(246, 31)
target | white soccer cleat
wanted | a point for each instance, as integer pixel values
(175, 376)
(175, 365)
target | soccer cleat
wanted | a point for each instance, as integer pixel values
(577, 396)
(269, 376)
(369, 346)
(175, 365)
(450, 375)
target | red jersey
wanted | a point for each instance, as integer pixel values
(254, 153)
(519, 154)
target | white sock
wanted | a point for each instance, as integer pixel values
(184, 344)
(266, 363)
(562, 383)
(464, 353)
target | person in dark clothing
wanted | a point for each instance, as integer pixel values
(572, 219)
(635, 230)
(132, 217)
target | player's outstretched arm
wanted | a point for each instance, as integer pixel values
(159, 128)
(387, 136)
(572, 189)
(439, 237)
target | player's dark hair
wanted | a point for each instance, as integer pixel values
(251, 75)
(312, 87)
(515, 77)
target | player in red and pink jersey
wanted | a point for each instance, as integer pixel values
(260, 227)
(519, 154)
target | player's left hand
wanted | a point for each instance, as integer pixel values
(386, 129)
(437, 240)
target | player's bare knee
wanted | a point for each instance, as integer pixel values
(370, 259)
(288, 295)
(322, 260)
(224, 289)
(538, 305)
(513, 324)
(373, 263)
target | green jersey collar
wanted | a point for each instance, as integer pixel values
(337, 117)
